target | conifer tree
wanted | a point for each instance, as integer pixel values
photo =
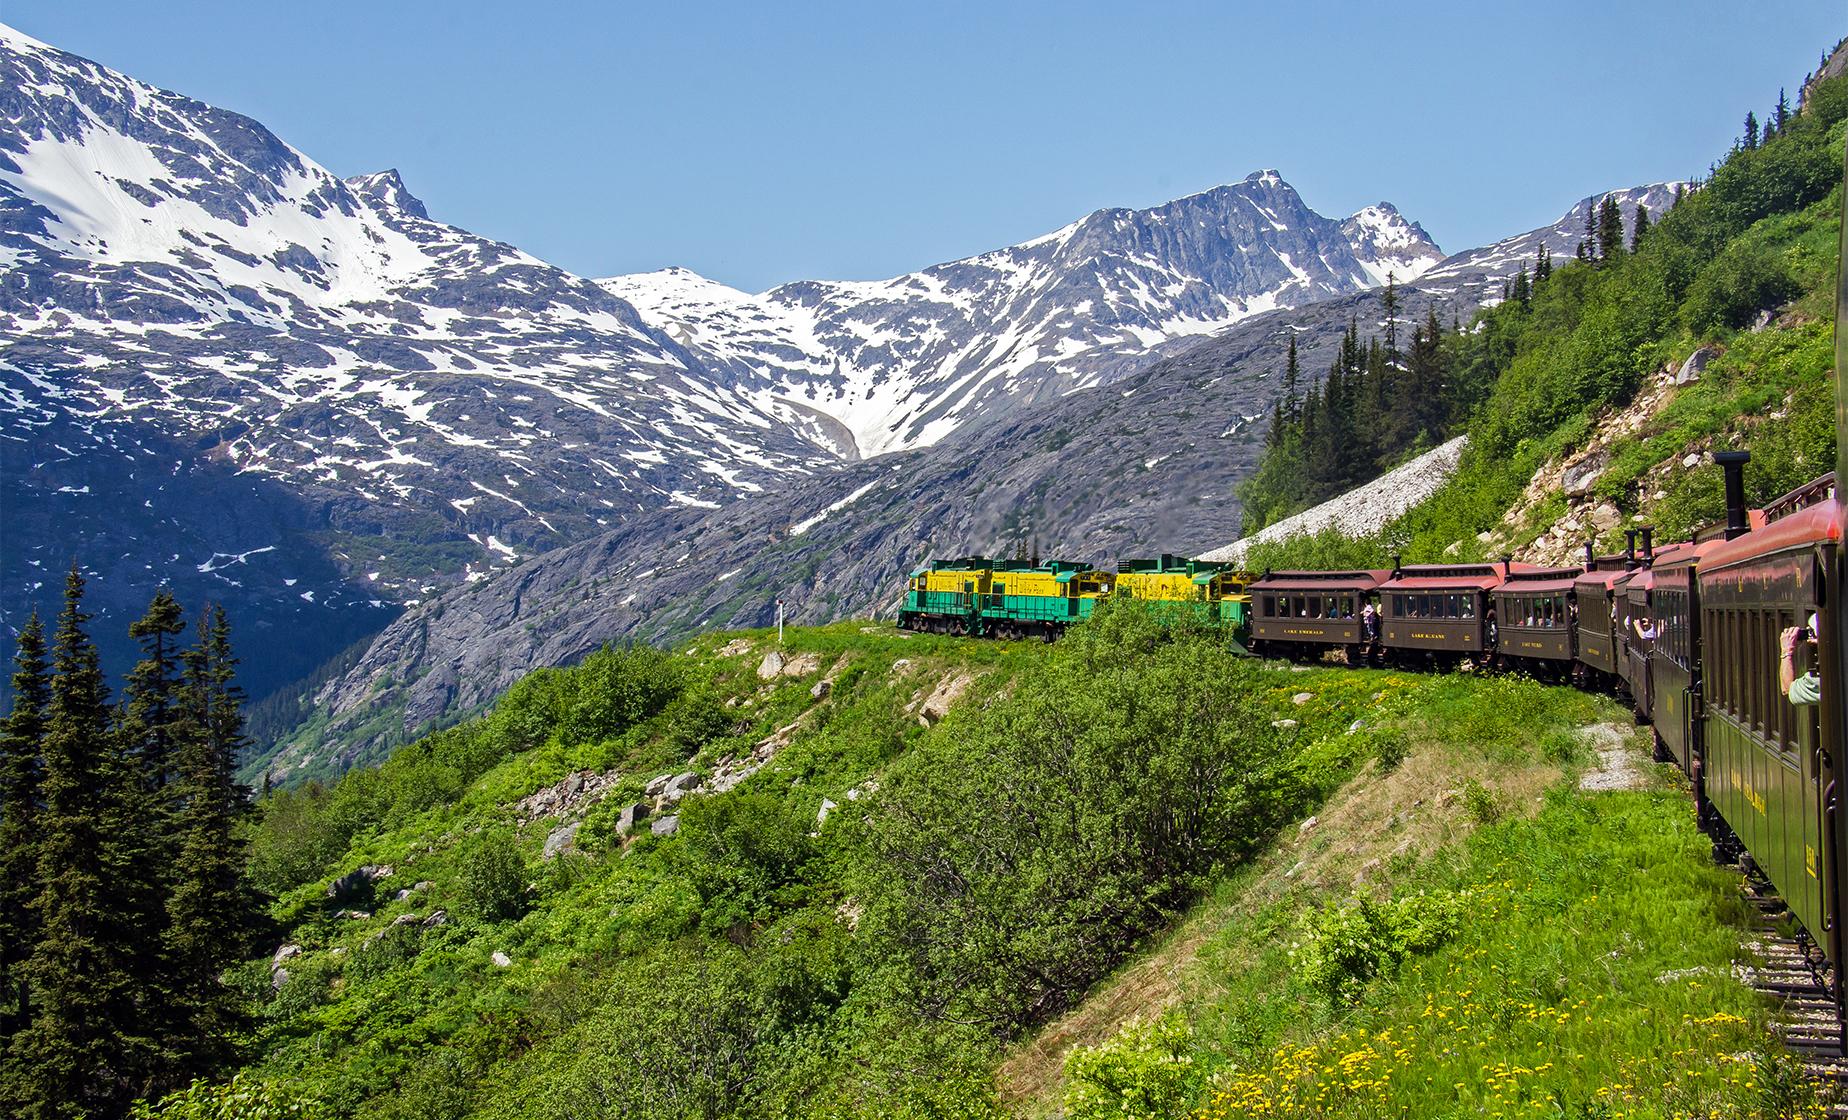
(86, 1048)
(1390, 304)
(210, 912)
(21, 740)
(1780, 116)
(1543, 265)
(1291, 378)
(1610, 230)
(1639, 227)
(1521, 291)
(150, 710)
(1588, 247)
(1751, 132)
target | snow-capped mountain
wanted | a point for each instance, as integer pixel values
(1492, 263)
(224, 366)
(902, 363)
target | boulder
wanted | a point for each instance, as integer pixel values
(1579, 477)
(501, 960)
(560, 840)
(407, 920)
(901, 664)
(683, 783)
(821, 689)
(771, 667)
(631, 818)
(827, 806)
(657, 786)
(801, 665)
(666, 826)
(287, 952)
(1695, 365)
(1307, 825)
(278, 977)
(437, 918)
(949, 690)
(1302, 698)
(1605, 516)
(1283, 724)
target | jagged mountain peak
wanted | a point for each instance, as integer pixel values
(387, 187)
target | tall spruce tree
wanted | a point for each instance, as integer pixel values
(210, 911)
(151, 715)
(1292, 377)
(1780, 116)
(1750, 140)
(1521, 291)
(21, 741)
(1639, 227)
(87, 1048)
(1610, 230)
(1543, 265)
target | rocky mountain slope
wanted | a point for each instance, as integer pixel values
(1146, 464)
(224, 366)
(902, 363)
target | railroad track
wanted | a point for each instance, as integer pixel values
(1793, 975)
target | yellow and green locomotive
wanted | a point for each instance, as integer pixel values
(979, 596)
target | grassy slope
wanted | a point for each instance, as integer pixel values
(1590, 975)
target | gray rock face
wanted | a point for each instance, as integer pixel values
(666, 826)
(1696, 364)
(561, 840)
(631, 817)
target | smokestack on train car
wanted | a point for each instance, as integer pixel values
(1733, 463)
(1397, 568)
(1629, 550)
(1507, 564)
(1648, 533)
(1591, 556)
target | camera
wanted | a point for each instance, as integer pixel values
(1805, 634)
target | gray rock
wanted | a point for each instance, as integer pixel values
(657, 786)
(1579, 477)
(423, 885)
(827, 806)
(278, 977)
(821, 689)
(666, 826)
(561, 839)
(631, 817)
(286, 952)
(771, 667)
(1307, 825)
(501, 960)
(1696, 364)
(436, 918)
(1302, 698)
(683, 783)
(407, 920)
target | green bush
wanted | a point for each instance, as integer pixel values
(1746, 279)
(244, 1097)
(491, 878)
(1345, 946)
(1480, 803)
(1144, 1073)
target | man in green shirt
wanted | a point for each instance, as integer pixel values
(1801, 687)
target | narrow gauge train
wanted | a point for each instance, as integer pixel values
(1729, 645)
(1015, 599)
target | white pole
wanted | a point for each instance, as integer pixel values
(779, 622)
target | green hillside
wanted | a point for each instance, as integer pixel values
(1744, 265)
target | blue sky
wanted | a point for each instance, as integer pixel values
(758, 143)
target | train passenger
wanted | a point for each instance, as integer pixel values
(1804, 687)
(1369, 624)
(1645, 627)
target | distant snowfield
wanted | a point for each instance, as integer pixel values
(1364, 509)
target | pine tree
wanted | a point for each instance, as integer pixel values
(86, 1049)
(1610, 230)
(1588, 247)
(1390, 304)
(150, 709)
(1639, 227)
(1291, 379)
(21, 740)
(1543, 265)
(1751, 132)
(1521, 291)
(1780, 116)
(210, 912)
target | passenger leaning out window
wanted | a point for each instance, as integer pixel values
(1801, 687)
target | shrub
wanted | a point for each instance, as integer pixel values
(1344, 946)
(1746, 279)
(242, 1098)
(1480, 803)
(1144, 1073)
(491, 881)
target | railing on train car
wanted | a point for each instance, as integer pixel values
(1809, 494)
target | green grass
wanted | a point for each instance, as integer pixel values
(1572, 957)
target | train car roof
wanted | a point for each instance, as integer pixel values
(1558, 580)
(1809, 525)
(1455, 577)
(1321, 581)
